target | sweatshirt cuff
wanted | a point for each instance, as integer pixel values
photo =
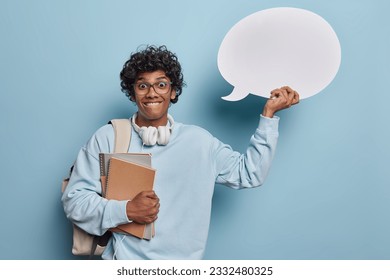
(269, 124)
(118, 213)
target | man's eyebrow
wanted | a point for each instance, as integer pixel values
(158, 78)
(162, 78)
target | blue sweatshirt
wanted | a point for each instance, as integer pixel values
(187, 170)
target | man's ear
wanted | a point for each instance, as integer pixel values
(132, 98)
(173, 94)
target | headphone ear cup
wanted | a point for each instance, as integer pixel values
(149, 135)
(164, 133)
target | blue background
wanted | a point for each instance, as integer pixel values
(327, 195)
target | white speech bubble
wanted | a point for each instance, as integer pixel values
(277, 47)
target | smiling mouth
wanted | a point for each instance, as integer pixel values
(149, 104)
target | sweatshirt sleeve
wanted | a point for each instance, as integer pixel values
(82, 200)
(251, 168)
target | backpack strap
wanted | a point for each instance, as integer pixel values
(122, 134)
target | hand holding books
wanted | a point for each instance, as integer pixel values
(143, 208)
(128, 176)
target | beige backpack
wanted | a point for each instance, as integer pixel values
(83, 242)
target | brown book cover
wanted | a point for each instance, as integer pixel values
(124, 181)
(104, 158)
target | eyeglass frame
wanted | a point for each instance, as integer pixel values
(151, 86)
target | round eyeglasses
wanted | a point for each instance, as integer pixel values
(143, 88)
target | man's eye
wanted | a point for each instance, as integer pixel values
(142, 86)
(162, 84)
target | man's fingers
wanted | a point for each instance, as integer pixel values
(288, 89)
(296, 98)
(149, 194)
(275, 94)
(293, 96)
(290, 94)
(285, 95)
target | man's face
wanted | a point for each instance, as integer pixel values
(153, 94)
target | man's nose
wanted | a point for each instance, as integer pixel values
(152, 92)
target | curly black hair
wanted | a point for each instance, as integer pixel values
(151, 59)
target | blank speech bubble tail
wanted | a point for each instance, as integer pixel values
(236, 95)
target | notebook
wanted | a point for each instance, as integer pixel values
(123, 177)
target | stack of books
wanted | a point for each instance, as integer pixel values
(123, 176)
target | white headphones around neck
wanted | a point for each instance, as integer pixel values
(151, 135)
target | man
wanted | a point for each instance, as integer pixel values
(188, 159)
